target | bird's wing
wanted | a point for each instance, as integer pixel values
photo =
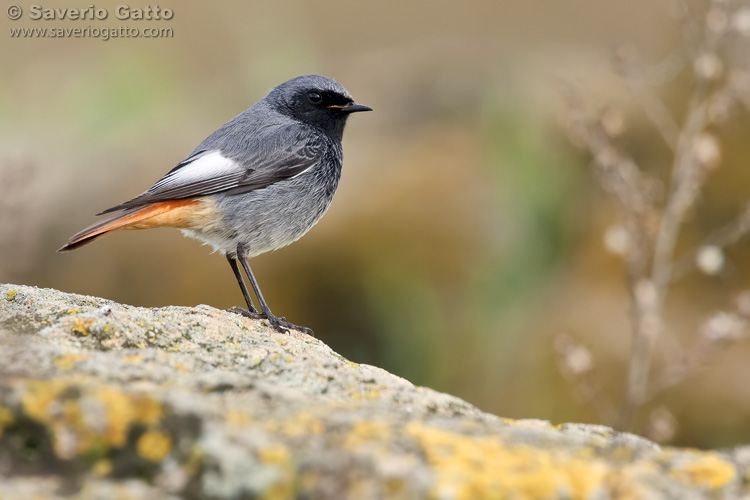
(287, 156)
(264, 160)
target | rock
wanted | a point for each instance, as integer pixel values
(100, 400)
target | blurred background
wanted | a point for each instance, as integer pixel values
(467, 233)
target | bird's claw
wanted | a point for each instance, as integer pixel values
(283, 326)
(279, 324)
(246, 313)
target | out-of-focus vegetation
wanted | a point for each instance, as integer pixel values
(467, 233)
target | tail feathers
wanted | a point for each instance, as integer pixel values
(144, 217)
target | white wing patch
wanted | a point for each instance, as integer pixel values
(209, 165)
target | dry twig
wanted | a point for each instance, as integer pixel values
(649, 227)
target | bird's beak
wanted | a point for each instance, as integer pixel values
(351, 107)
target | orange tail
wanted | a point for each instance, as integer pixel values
(175, 213)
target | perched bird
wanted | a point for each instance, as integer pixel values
(258, 183)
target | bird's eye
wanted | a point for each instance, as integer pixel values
(314, 97)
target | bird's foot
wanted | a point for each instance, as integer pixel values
(244, 312)
(283, 326)
(279, 324)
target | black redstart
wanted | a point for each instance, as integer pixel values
(258, 183)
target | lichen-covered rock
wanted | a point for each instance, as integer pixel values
(100, 400)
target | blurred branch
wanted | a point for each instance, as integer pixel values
(709, 256)
(650, 294)
(649, 228)
(720, 332)
(633, 75)
(688, 177)
(691, 32)
(619, 176)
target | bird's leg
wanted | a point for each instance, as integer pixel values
(250, 311)
(279, 324)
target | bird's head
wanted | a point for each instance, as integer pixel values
(316, 100)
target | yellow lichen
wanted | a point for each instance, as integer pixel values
(148, 411)
(181, 367)
(373, 394)
(82, 420)
(274, 454)
(626, 481)
(38, 396)
(468, 467)
(11, 295)
(173, 348)
(68, 361)
(41, 401)
(119, 416)
(396, 487)
(81, 326)
(280, 490)
(102, 468)
(283, 487)
(124, 410)
(300, 424)
(239, 419)
(73, 311)
(622, 453)
(6, 418)
(154, 445)
(708, 470)
(135, 358)
(367, 433)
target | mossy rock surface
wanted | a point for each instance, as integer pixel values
(103, 400)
